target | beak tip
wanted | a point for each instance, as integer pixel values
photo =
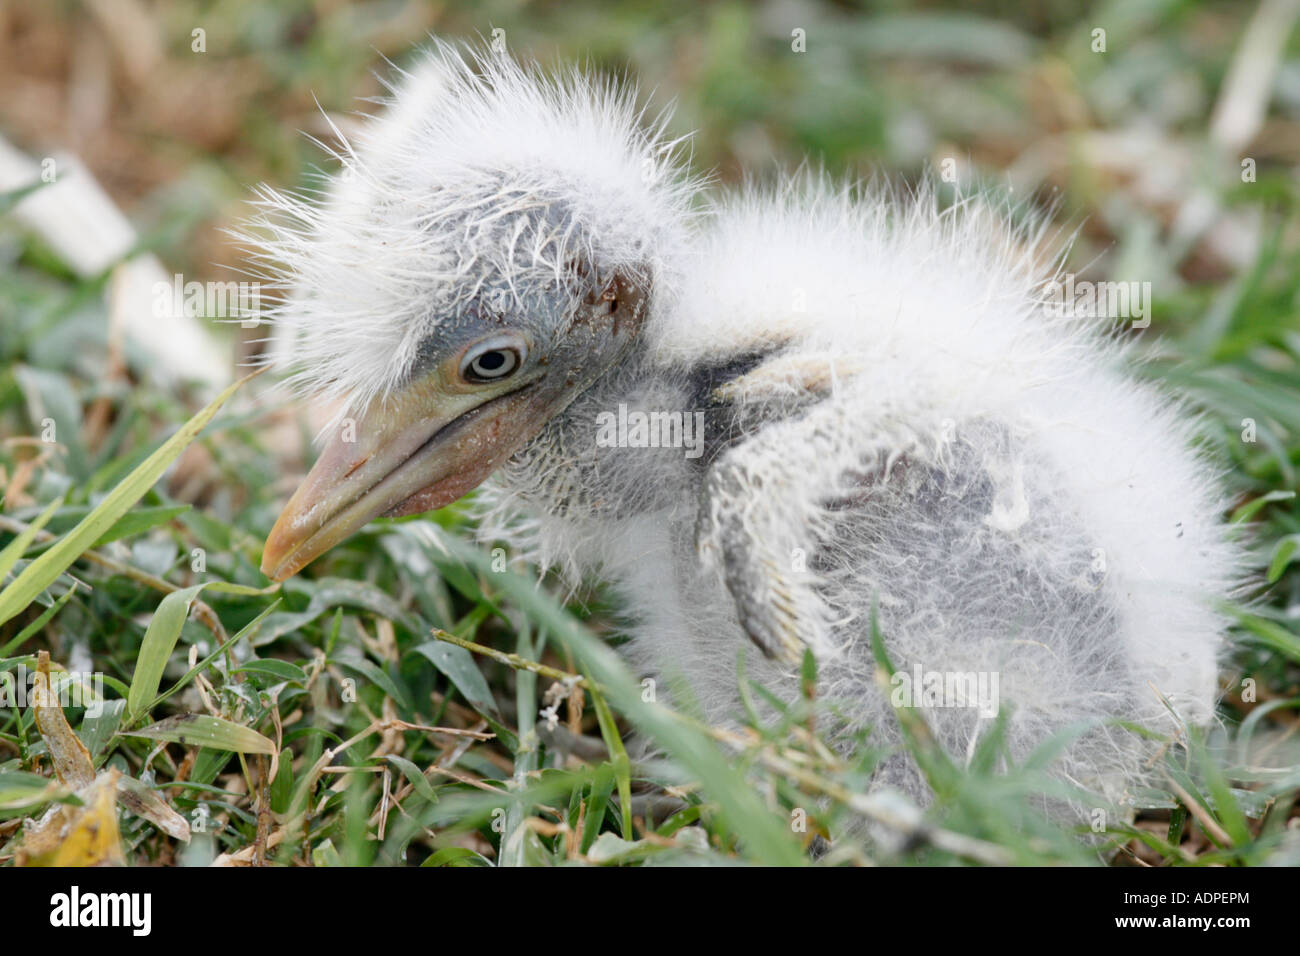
(283, 553)
(277, 566)
(415, 455)
(274, 559)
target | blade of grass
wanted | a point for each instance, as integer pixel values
(764, 837)
(189, 675)
(40, 622)
(160, 640)
(200, 730)
(618, 758)
(42, 572)
(15, 548)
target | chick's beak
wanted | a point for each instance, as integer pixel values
(417, 450)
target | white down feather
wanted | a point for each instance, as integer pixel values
(1085, 575)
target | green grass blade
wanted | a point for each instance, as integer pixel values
(140, 521)
(38, 575)
(1269, 633)
(618, 759)
(200, 730)
(35, 627)
(1284, 552)
(1255, 505)
(160, 640)
(248, 629)
(15, 548)
(765, 837)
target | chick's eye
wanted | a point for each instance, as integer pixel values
(490, 365)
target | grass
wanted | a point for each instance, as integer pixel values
(408, 701)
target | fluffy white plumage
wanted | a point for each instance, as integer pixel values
(923, 433)
(480, 180)
(892, 417)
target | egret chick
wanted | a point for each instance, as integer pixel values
(818, 409)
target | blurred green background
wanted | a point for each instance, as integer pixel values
(1124, 137)
(1165, 132)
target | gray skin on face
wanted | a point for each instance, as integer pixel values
(583, 330)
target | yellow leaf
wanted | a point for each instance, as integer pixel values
(79, 836)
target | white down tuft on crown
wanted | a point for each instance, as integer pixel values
(483, 179)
